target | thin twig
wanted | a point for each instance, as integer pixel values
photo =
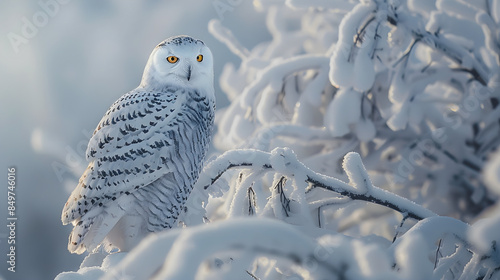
(252, 275)
(251, 201)
(285, 202)
(446, 48)
(319, 217)
(358, 38)
(366, 197)
(473, 72)
(405, 216)
(376, 40)
(407, 53)
(437, 253)
(214, 179)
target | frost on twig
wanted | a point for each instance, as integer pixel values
(283, 161)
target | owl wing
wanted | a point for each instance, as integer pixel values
(132, 146)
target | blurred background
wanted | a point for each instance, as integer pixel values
(63, 63)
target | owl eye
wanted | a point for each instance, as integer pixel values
(172, 59)
(199, 58)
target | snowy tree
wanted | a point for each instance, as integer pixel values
(359, 144)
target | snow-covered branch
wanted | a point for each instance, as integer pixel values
(457, 53)
(284, 161)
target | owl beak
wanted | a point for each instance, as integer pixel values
(189, 73)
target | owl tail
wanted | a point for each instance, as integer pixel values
(89, 233)
(77, 236)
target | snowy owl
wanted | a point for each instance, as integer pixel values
(146, 152)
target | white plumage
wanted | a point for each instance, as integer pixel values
(146, 152)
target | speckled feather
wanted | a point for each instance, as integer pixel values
(135, 143)
(145, 155)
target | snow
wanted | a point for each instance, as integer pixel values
(484, 235)
(422, 6)
(358, 178)
(359, 143)
(277, 71)
(336, 5)
(95, 271)
(460, 9)
(400, 119)
(342, 71)
(240, 197)
(147, 258)
(344, 110)
(434, 228)
(190, 249)
(440, 21)
(365, 130)
(415, 265)
(82, 274)
(364, 72)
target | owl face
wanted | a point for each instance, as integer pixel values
(180, 60)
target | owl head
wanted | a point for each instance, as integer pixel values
(180, 60)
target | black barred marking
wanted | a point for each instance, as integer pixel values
(130, 128)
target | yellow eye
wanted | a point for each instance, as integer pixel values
(172, 59)
(199, 58)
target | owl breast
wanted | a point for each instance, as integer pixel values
(161, 202)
